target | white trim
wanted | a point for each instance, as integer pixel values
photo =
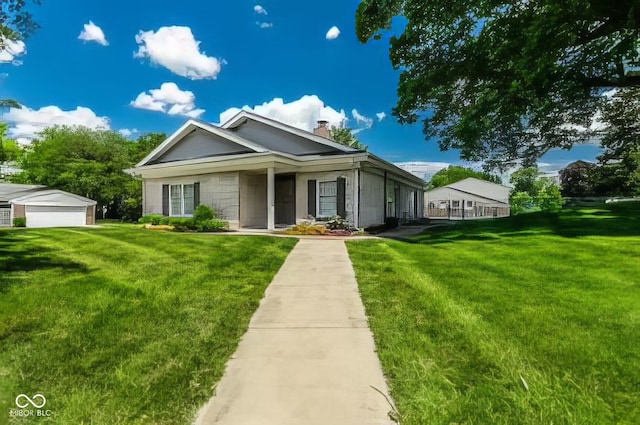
(182, 207)
(325, 180)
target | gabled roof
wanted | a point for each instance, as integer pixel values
(473, 179)
(9, 191)
(188, 128)
(242, 116)
(21, 193)
(469, 193)
(462, 186)
(52, 197)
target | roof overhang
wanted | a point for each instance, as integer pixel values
(282, 162)
(406, 176)
(53, 197)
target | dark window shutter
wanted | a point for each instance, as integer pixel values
(165, 199)
(196, 195)
(342, 183)
(311, 198)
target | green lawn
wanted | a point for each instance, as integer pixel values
(123, 325)
(533, 319)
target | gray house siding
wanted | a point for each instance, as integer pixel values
(201, 144)
(220, 191)
(277, 140)
(302, 201)
(253, 200)
(371, 199)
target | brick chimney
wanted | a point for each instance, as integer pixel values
(322, 129)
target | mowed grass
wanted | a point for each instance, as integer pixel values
(533, 319)
(123, 325)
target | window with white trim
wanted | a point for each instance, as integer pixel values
(327, 198)
(182, 198)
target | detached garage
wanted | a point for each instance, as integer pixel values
(43, 207)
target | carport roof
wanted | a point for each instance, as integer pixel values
(9, 191)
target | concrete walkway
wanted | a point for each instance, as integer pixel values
(308, 357)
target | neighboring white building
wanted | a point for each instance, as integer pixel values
(44, 207)
(470, 198)
(256, 172)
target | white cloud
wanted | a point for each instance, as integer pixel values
(303, 113)
(27, 123)
(146, 101)
(176, 49)
(333, 33)
(259, 10)
(169, 99)
(171, 93)
(361, 119)
(381, 116)
(92, 32)
(126, 132)
(423, 169)
(10, 50)
(265, 25)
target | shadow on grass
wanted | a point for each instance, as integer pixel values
(605, 220)
(18, 256)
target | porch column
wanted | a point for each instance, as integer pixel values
(271, 199)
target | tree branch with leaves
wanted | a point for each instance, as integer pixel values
(505, 81)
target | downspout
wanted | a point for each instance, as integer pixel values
(358, 193)
(384, 203)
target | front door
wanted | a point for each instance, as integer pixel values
(285, 199)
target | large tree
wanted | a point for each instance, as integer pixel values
(345, 136)
(577, 178)
(90, 163)
(9, 148)
(16, 22)
(530, 189)
(619, 171)
(455, 173)
(503, 80)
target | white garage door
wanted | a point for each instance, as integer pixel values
(40, 216)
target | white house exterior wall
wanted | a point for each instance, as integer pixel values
(440, 197)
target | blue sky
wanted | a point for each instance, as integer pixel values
(247, 55)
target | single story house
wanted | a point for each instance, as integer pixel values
(468, 199)
(44, 207)
(256, 172)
